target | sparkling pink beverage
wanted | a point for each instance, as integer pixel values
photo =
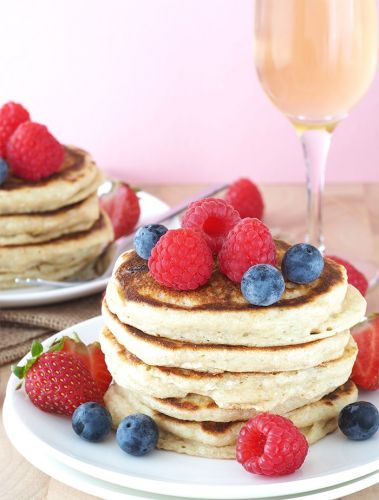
(315, 58)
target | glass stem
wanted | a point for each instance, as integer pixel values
(316, 144)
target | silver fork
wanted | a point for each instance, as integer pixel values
(124, 242)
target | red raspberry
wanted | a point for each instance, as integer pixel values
(122, 206)
(214, 217)
(181, 260)
(271, 445)
(33, 153)
(11, 115)
(246, 198)
(354, 277)
(248, 243)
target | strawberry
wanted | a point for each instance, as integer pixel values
(123, 208)
(57, 382)
(366, 368)
(98, 367)
(354, 276)
(92, 357)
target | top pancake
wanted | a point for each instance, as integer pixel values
(217, 312)
(77, 178)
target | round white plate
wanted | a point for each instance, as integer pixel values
(332, 461)
(34, 296)
(26, 444)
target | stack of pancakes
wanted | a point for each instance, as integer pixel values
(53, 228)
(203, 362)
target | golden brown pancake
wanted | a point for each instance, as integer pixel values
(56, 259)
(160, 351)
(217, 312)
(77, 179)
(315, 420)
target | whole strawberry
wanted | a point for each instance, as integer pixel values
(366, 367)
(354, 276)
(246, 198)
(57, 382)
(33, 153)
(122, 206)
(12, 115)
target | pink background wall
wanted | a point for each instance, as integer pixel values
(164, 90)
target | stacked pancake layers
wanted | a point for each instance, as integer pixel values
(201, 363)
(53, 228)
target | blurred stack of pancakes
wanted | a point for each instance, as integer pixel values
(53, 228)
(203, 362)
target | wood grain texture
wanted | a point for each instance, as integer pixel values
(351, 224)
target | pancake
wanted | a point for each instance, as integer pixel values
(23, 229)
(312, 419)
(195, 407)
(77, 179)
(57, 259)
(170, 442)
(160, 351)
(217, 313)
(261, 391)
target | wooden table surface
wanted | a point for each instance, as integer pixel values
(351, 225)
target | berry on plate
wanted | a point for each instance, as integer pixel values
(12, 115)
(181, 259)
(271, 445)
(366, 367)
(354, 276)
(91, 355)
(262, 285)
(122, 206)
(3, 170)
(146, 238)
(302, 263)
(57, 382)
(214, 217)
(33, 153)
(137, 434)
(246, 198)
(359, 421)
(248, 243)
(91, 421)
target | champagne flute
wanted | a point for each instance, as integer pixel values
(315, 60)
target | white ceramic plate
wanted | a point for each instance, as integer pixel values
(95, 486)
(332, 461)
(34, 296)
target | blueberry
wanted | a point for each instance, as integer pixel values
(262, 285)
(302, 263)
(3, 170)
(91, 421)
(147, 237)
(359, 421)
(137, 434)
